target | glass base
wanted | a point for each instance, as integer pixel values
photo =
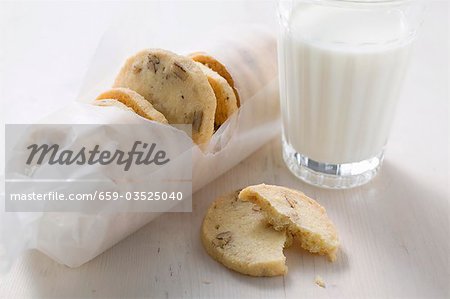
(333, 176)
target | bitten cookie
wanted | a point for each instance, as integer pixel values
(303, 217)
(176, 86)
(236, 234)
(218, 67)
(226, 99)
(132, 100)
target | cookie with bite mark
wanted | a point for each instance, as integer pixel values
(236, 234)
(301, 216)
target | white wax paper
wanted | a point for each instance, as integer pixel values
(250, 56)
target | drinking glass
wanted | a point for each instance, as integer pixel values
(341, 68)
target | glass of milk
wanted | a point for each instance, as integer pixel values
(341, 67)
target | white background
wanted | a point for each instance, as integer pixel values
(394, 231)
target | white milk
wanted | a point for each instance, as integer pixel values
(344, 70)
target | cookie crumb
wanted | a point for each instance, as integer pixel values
(319, 281)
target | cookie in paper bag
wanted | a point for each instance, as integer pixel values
(127, 98)
(217, 67)
(175, 86)
(226, 99)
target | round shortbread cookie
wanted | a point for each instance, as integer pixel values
(303, 217)
(236, 234)
(226, 99)
(218, 67)
(176, 86)
(132, 100)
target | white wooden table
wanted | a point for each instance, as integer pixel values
(394, 231)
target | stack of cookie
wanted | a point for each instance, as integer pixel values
(246, 231)
(168, 88)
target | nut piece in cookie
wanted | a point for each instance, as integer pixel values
(218, 67)
(303, 217)
(226, 99)
(176, 86)
(132, 100)
(239, 237)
